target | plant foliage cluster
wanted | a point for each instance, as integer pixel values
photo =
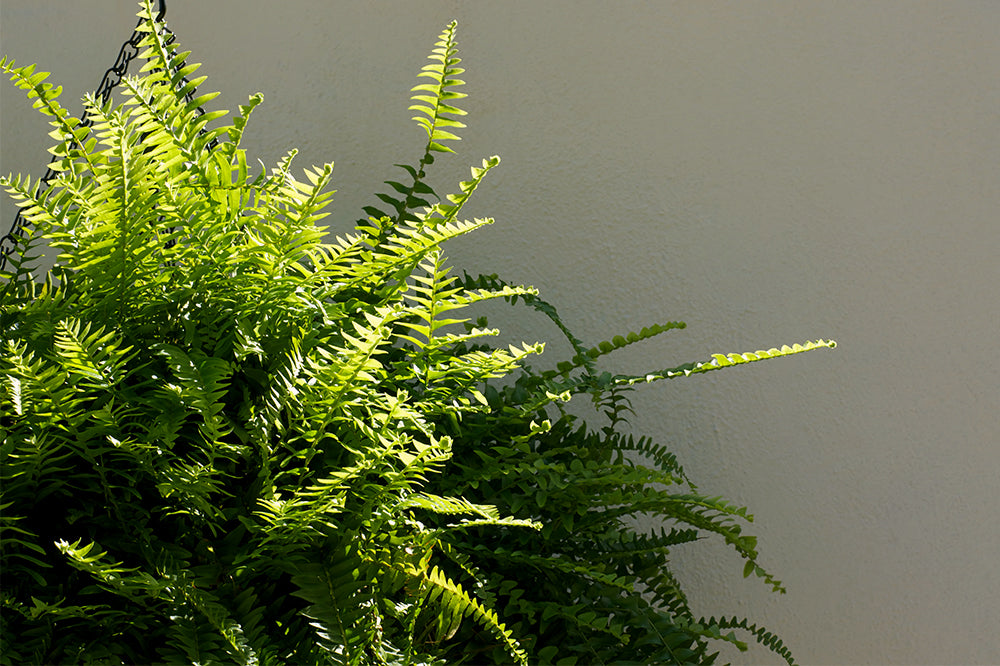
(229, 436)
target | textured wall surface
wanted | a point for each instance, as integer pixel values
(767, 171)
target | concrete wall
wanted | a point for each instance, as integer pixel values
(768, 171)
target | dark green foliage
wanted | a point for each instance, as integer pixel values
(229, 437)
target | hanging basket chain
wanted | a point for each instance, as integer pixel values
(112, 78)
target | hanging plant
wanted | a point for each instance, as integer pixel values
(232, 435)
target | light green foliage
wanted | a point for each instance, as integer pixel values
(231, 435)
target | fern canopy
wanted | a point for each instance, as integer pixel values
(233, 435)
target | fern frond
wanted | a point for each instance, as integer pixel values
(286, 217)
(552, 388)
(628, 544)
(494, 283)
(425, 457)
(193, 641)
(248, 609)
(183, 591)
(590, 572)
(198, 488)
(341, 610)
(203, 381)
(16, 544)
(435, 100)
(282, 373)
(449, 211)
(42, 211)
(760, 634)
(486, 515)
(431, 296)
(608, 346)
(584, 616)
(657, 453)
(94, 358)
(462, 372)
(240, 121)
(447, 505)
(435, 104)
(166, 66)
(434, 294)
(713, 514)
(720, 361)
(70, 132)
(456, 603)
(112, 576)
(386, 268)
(348, 365)
(413, 242)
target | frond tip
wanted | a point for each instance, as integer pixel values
(435, 100)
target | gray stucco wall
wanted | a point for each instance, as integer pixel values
(767, 171)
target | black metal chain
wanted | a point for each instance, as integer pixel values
(112, 78)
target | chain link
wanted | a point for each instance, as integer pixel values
(112, 78)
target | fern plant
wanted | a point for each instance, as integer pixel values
(233, 435)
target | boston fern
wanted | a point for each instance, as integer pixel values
(229, 436)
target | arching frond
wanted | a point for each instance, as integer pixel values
(341, 610)
(457, 604)
(720, 361)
